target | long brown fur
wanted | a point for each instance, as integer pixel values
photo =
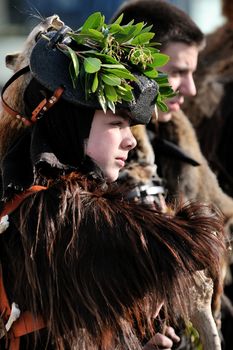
(91, 263)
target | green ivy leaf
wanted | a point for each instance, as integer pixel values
(78, 37)
(124, 74)
(162, 78)
(88, 83)
(94, 21)
(153, 50)
(146, 29)
(160, 59)
(162, 106)
(113, 66)
(151, 73)
(102, 100)
(111, 106)
(111, 79)
(110, 93)
(166, 91)
(106, 59)
(115, 28)
(138, 28)
(91, 64)
(119, 19)
(122, 88)
(142, 38)
(126, 35)
(95, 34)
(95, 83)
(75, 61)
(72, 75)
(125, 94)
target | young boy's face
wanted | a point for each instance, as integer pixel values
(109, 142)
(180, 69)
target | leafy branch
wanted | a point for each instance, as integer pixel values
(105, 55)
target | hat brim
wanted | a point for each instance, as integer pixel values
(50, 67)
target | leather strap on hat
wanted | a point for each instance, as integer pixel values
(42, 107)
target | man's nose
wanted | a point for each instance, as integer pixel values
(188, 87)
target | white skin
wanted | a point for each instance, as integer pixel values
(109, 142)
(180, 69)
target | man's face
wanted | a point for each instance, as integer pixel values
(180, 68)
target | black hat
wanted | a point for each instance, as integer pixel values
(103, 65)
(99, 66)
(50, 66)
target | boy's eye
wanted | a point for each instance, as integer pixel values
(117, 123)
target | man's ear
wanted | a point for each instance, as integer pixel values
(11, 59)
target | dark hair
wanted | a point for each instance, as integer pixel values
(64, 127)
(170, 23)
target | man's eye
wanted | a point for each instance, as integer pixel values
(175, 72)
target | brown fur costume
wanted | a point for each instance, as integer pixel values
(96, 267)
(192, 182)
(211, 109)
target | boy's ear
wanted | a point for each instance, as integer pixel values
(11, 59)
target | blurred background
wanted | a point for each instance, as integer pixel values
(17, 17)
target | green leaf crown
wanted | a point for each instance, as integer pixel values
(106, 55)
